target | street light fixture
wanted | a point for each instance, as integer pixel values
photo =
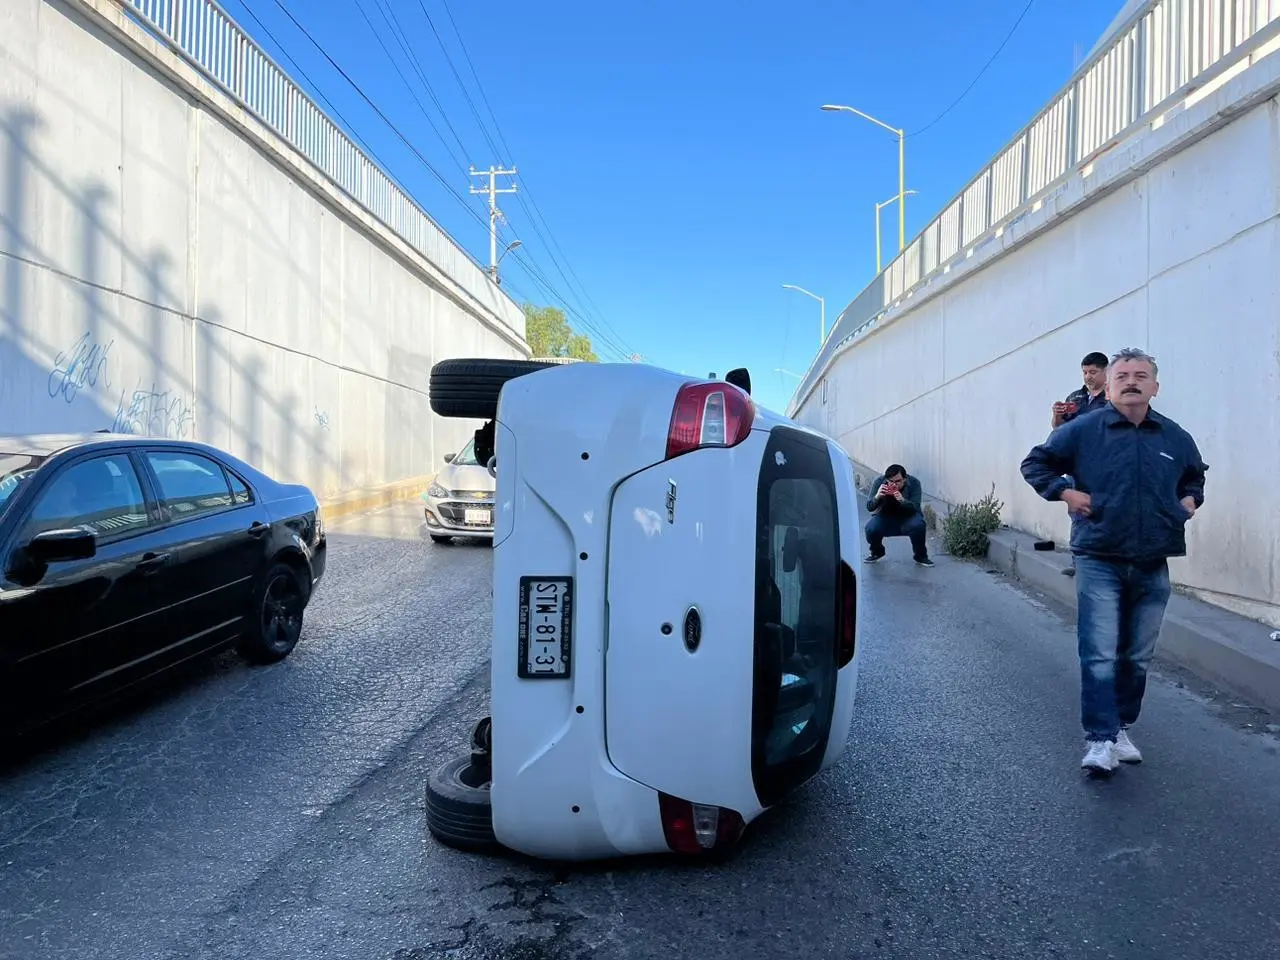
(510, 246)
(822, 323)
(879, 207)
(902, 170)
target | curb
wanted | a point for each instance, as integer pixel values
(370, 498)
(1231, 651)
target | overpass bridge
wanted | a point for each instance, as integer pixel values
(1140, 207)
(190, 247)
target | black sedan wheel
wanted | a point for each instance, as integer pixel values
(275, 622)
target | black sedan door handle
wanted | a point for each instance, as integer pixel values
(257, 528)
(151, 562)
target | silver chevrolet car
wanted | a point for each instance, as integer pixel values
(459, 502)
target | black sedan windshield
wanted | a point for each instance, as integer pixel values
(14, 469)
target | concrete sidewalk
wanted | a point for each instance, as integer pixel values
(1233, 652)
(370, 498)
(1230, 651)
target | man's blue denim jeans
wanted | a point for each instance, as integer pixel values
(1120, 608)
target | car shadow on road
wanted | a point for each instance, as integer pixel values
(64, 736)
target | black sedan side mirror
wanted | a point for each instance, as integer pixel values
(53, 546)
(448, 457)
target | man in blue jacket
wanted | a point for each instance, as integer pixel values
(1138, 480)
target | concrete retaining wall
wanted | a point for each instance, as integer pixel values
(1170, 242)
(169, 266)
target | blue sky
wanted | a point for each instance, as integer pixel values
(676, 151)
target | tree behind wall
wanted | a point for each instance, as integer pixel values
(550, 335)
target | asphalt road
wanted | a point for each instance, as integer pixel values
(276, 812)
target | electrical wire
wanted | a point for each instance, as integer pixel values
(385, 119)
(484, 131)
(540, 278)
(533, 272)
(347, 126)
(398, 30)
(388, 13)
(531, 208)
(472, 67)
(408, 86)
(985, 67)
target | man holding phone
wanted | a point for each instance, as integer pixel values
(895, 512)
(1092, 396)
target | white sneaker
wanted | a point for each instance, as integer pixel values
(1101, 757)
(1125, 751)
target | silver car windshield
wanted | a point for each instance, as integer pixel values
(467, 455)
(15, 468)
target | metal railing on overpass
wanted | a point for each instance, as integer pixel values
(207, 37)
(1163, 52)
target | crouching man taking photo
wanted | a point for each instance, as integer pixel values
(1138, 480)
(895, 512)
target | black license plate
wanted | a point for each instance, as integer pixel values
(545, 628)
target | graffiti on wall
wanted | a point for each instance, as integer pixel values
(154, 413)
(84, 367)
(81, 365)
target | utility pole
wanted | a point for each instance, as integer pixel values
(493, 173)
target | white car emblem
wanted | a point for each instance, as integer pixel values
(780, 458)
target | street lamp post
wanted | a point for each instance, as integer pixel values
(494, 269)
(879, 207)
(902, 168)
(822, 304)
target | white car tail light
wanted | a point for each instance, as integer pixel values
(698, 827)
(709, 414)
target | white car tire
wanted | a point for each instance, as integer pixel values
(458, 810)
(468, 389)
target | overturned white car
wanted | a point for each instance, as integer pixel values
(675, 613)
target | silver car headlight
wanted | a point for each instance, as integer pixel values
(437, 492)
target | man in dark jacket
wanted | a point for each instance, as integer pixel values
(1138, 479)
(895, 512)
(1088, 398)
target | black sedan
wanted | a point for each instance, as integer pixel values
(121, 557)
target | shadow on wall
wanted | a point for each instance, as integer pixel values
(405, 454)
(78, 354)
(35, 396)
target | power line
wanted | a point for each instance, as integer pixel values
(533, 272)
(540, 278)
(531, 208)
(284, 52)
(494, 214)
(385, 119)
(480, 87)
(387, 10)
(484, 132)
(985, 67)
(408, 86)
